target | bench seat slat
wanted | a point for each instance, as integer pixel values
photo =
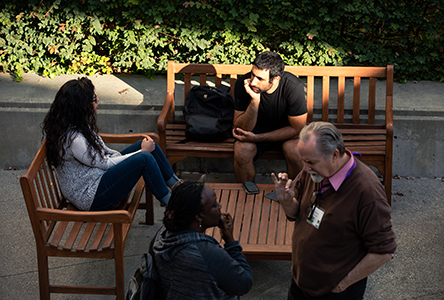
(367, 146)
(86, 237)
(256, 219)
(60, 231)
(246, 219)
(272, 224)
(72, 236)
(263, 227)
(98, 237)
(237, 211)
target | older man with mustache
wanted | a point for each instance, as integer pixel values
(343, 230)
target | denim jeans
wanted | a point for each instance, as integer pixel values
(353, 292)
(118, 181)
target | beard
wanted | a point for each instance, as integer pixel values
(256, 89)
(315, 176)
(259, 90)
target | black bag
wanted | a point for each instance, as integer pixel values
(209, 113)
(145, 283)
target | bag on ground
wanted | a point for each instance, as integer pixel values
(209, 113)
(145, 284)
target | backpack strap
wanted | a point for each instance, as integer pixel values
(156, 277)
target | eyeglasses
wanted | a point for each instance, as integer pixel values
(311, 209)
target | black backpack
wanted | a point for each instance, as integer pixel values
(145, 283)
(209, 113)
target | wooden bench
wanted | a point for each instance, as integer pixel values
(364, 130)
(260, 224)
(63, 231)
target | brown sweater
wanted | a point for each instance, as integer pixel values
(356, 222)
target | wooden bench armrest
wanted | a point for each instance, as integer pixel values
(127, 138)
(166, 116)
(111, 216)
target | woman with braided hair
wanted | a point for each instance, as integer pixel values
(91, 175)
(191, 264)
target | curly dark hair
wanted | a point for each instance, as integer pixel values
(272, 61)
(72, 110)
(185, 203)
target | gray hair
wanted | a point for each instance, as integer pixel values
(328, 138)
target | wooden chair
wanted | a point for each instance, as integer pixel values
(62, 231)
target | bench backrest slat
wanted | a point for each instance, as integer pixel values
(333, 108)
(341, 97)
(372, 100)
(325, 97)
(356, 98)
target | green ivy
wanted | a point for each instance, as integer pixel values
(111, 36)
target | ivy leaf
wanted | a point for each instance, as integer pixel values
(97, 26)
(92, 40)
(132, 37)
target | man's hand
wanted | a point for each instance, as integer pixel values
(148, 144)
(243, 135)
(255, 97)
(284, 188)
(370, 263)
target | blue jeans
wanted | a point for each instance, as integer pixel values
(118, 181)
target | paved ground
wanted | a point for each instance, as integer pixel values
(417, 272)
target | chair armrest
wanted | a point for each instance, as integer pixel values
(167, 114)
(127, 138)
(110, 216)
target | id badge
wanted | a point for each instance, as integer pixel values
(318, 214)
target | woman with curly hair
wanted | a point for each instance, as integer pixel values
(91, 175)
(191, 264)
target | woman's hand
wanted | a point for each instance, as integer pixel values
(148, 144)
(226, 227)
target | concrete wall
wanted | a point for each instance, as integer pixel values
(131, 103)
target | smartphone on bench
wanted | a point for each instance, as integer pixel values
(250, 187)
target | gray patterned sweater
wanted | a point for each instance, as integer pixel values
(80, 174)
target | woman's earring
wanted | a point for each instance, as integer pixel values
(200, 224)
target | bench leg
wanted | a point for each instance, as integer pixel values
(42, 261)
(388, 179)
(118, 262)
(388, 187)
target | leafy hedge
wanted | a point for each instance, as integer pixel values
(106, 36)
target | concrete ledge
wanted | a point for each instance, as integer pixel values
(132, 103)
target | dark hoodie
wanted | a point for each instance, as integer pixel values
(193, 265)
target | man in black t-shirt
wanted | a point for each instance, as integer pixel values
(270, 110)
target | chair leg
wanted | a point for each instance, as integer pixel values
(388, 179)
(119, 262)
(42, 262)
